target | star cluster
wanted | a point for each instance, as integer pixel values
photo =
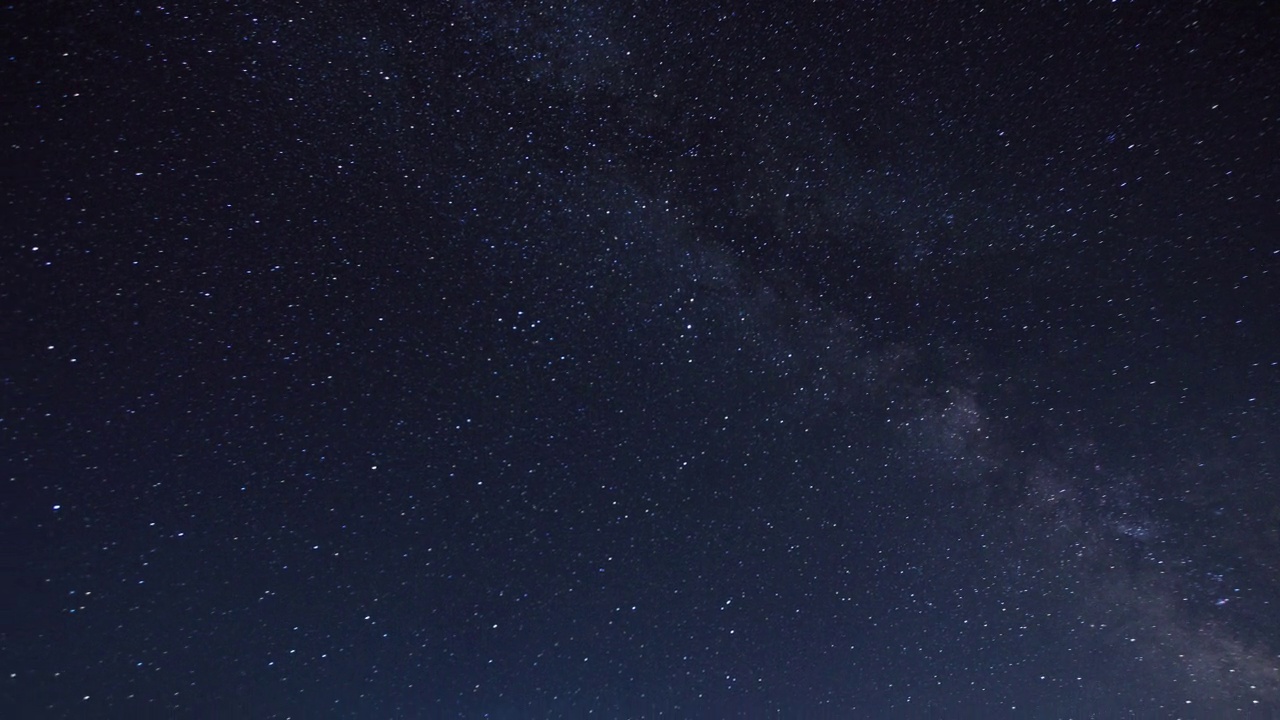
(634, 360)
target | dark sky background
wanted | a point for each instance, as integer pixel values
(635, 360)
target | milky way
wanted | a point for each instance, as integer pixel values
(612, 360)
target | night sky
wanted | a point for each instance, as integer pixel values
(483, 359)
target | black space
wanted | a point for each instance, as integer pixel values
(641, 360)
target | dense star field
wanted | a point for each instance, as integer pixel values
(483, 359)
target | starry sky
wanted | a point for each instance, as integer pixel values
(479, 359)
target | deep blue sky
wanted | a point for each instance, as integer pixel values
(634, 360)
